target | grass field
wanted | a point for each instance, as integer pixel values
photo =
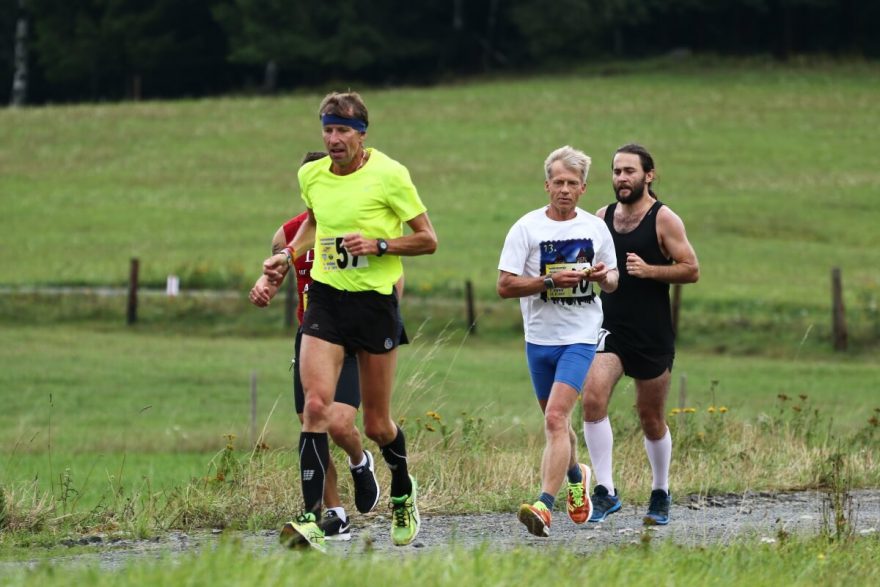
(117, 391)
(92, 413)
(772, 168)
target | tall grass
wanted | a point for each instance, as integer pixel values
(148, 392)
(464, 467)
(134, 450)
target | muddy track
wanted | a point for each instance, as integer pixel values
(695, 520)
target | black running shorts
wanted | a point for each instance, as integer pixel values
(637, 363)
(348, 389)
(362, 320)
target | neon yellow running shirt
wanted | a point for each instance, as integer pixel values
(375, 201)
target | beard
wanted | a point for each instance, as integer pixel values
(636, 193)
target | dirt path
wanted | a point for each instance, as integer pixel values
(694, 521)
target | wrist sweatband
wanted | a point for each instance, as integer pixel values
(290, 252)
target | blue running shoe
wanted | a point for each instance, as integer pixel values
(603, 503)
(658, 509)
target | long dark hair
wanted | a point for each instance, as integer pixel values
(645, 158)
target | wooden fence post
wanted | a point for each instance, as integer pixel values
(838, 316)
(253, 431)
(133, 291)
(471, 313)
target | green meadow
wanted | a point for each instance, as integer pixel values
(145, 428)
(771, 168)
(76, 390)
(793, 563)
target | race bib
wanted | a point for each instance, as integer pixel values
(582, 289)
(334, 257)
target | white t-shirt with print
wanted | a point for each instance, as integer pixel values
(537, 245)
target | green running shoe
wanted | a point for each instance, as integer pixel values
(303, 533)
(405, 522)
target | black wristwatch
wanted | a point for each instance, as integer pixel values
(548, 283)
(383, 246)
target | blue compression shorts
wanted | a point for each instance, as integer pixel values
(567, 364)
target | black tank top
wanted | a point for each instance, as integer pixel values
(638, 312)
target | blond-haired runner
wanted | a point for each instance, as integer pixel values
(551, 258)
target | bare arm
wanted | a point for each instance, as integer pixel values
(275, 267)
(304, 239)
(263, 291)
(606, 278)
(279, 241)
(422, 240)
(675, 245)
(519, 286)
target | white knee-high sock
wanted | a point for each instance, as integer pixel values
(600, 443)
(660, 455)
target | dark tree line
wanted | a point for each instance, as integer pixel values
(114, 49)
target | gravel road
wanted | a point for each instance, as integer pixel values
(695, 520)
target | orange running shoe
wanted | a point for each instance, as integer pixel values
(536, 518)
(580, 508)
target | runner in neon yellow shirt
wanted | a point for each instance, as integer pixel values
(357, 205)
(373, 201)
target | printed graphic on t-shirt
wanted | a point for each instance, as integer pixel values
(573, 254)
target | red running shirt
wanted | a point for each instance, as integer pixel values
(302, 264)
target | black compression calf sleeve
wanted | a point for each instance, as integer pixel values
(314, 455)
(394, 454)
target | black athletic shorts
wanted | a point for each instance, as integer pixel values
(348, 390)
(637, 363)
(361, 320)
